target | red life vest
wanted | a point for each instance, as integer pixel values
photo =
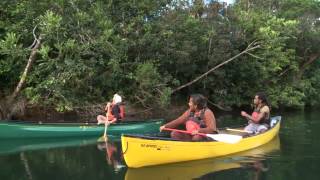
(255, 114)
(195, 122)
(121, 113)
(192, 126)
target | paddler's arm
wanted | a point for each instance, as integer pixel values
(180, 120)
(210, 122)
(246, 115)
(260, 116)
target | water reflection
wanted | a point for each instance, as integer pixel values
(113, 154)
(299, 158)
(21, 145)
(204, 169)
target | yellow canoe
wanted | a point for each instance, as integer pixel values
(140, 151)
(196, 169)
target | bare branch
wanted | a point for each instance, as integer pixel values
(33, 43)
(284, 72)
(141, 101)
(159, 91)
(248, 49)
(33, 32)
(254, 56)
(35, 38)
(219, 107)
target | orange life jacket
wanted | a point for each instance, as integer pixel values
(195, 122)
(122, 112)
(255, 114)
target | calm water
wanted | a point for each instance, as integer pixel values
(295, 154)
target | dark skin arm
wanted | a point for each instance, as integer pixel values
(262, 115)
(180, 120)
(210, 122)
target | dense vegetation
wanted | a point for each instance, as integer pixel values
(70, 53)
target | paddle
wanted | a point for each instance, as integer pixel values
(239, 130)
(226, 138)
(106, 124)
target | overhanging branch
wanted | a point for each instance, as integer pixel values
(252, 46)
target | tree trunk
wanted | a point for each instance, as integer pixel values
(7, 104)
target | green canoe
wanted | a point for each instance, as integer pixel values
(56, 130)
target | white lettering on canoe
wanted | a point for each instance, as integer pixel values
(154, 146)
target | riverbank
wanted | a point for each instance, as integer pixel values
(90, 112)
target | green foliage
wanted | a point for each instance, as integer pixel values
(151, 90)
(145, 49)
(49, 22)
(147, 75)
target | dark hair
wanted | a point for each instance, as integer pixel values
(263, 97)
(199, 100)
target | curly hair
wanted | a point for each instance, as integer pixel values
(199, 100)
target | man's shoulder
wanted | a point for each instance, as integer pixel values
(265, 109)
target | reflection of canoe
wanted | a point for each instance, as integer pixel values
(19, 145)
(56, 130)
(142, 151)
(195, 169)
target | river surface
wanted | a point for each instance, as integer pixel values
(294, 154)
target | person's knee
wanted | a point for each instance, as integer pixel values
(175, 135)
(100, 117)
(262, 129)
(248, 128)
(197, 138)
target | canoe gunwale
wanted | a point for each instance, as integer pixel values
(39, 123)
(14, 130)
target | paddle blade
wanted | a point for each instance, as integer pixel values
(226, 138)
(102, 139)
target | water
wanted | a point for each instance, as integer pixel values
(295, 154)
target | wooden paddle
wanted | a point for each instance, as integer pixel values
(106, 124)
(239, 130)
(226, 138)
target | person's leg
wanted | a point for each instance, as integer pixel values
(262, 128)
(101, 119)
(180, 136)
(251, 127)
(198, 138)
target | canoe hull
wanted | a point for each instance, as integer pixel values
(32, 130)
(139, 152)
(196, 169)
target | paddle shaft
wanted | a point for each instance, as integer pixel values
(239, 130)
(106, 124)
(226, 138)
(182, 131)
